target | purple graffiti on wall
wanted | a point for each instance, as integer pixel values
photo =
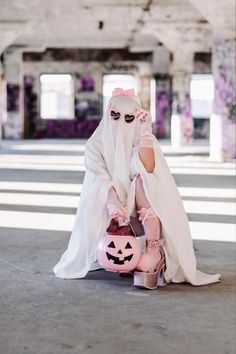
(88, 107)
(181, 105)
(13, 93)
(225, 100)
(30, 106)
(70, 129)
(87, 83)
(163, 105)
(88, 103)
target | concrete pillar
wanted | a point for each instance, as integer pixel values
(163, 105)
(223, 119)
(181, 118)
(160, 69)
(2, 99)
(13, 127)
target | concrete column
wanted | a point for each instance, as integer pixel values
(2, 99)
(181, 118)
(13, 127)
(223, 119)
(160, 69)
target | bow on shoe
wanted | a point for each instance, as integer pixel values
(146, 213)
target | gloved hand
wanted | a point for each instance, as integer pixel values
(116, 209)
(145, 119)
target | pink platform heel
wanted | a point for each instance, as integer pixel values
(151, 280)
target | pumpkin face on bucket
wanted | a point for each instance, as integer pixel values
(118, 253)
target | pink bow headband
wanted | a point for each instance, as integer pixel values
(130, 93)
(120, 92)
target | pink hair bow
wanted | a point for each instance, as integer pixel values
(120, 92)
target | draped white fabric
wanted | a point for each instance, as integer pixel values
(112, 159)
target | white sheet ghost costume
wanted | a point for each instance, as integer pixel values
(112, 159)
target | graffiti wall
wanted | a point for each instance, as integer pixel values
(88, 102)
(69, 129)
(224, 103)
(30, 106)
(181, 106)
(13, 96)
(87, 69)
(2, 102)
(163, 105)
(87, 108)
(12, 128)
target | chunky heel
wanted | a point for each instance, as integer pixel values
(150, 280)
(145, 280)
(150, 269)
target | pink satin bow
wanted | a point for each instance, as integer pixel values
(120, 92)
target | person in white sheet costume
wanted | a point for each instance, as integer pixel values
(114, 173)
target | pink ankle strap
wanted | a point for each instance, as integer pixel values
(146, 213)
(154, 243)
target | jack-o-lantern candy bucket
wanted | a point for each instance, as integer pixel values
(118, 252)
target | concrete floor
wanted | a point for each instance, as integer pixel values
(40, 183)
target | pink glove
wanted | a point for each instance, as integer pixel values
(116, 209)
(144, 117)
(146, 122)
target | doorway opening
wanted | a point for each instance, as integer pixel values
(56, 96)
(202, 96)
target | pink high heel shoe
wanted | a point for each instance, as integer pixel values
(151, 280)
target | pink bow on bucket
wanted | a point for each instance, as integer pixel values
(120, 92)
